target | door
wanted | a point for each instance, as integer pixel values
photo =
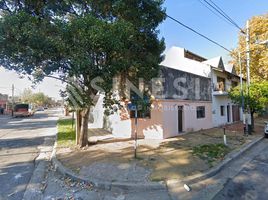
(180, 119)
(228, 113)
(236, 113)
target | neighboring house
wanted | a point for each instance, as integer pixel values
(3, 101)
(185, 100)
(223, 77)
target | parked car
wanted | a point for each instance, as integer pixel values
(23, 110)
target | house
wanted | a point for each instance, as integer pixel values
(223, 77)
(190, 94)
(4, 101)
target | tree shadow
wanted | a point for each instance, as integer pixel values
(24, 142)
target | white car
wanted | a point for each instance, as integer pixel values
(40, 109)
(266, 129)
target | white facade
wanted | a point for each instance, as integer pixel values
(223, 77)
(223, 110)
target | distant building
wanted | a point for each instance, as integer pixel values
(4, 101)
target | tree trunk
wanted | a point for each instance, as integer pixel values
(83, 141)
(252, 121)
(78, 126)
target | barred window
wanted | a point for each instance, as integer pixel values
(200, 112)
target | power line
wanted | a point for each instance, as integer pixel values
(191, 29)
(222, 13)
(215, 13)
(200, 34)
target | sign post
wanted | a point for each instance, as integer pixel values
(134, 108)
(136, 129)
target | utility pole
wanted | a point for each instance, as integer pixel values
(248, 53)
(241, 81)
(12, 111)
(248, 119)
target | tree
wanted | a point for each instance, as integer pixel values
(258, 53)
(257, 98)
(39, 99)
(82, 40)
(26, 96)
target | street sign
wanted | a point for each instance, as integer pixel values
(132, 106)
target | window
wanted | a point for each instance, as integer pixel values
(222, 110)
(200, 112)
(220, 84)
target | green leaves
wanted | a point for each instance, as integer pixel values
(82, 40)
(257, 98)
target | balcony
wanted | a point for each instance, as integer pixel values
(219, 89)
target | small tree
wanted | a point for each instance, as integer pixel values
(257, 98)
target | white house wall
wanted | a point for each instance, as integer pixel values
(112, 123)
(97, 113)
(221, 100)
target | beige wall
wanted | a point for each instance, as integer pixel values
(150, 128)
(164, 119)
(190, 121)
(163, 122)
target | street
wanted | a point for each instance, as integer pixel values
(20, 141)
(251, 182)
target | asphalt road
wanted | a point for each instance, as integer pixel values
(251, 183)
(20, 139)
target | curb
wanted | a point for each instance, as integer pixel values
(197, 178)
(147, 186)
(105, 185)
(33, 189)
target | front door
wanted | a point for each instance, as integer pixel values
(180, 119)
(228, 113)
(236, 113)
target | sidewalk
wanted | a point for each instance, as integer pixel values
(111, 161)
(208, 188)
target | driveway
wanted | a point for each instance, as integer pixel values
(20, 141)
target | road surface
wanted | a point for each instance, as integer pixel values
(20, 141)
(252, 180)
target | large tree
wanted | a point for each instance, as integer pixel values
(81, 40)
(258, 26)
(257, 98)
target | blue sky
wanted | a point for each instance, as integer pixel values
(190, 12)
(198, 17)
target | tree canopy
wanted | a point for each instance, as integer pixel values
(258, 52)
(38, 99)
(81, 40)
(257, 98)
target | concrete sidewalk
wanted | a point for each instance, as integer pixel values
(110, 166)
(208, 188)
(200, 189)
